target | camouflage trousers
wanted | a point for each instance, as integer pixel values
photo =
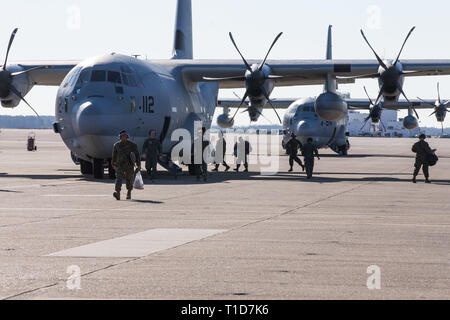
(294, 157)
(126, 173)
(150, 165)
(309, 166)
(424, 166)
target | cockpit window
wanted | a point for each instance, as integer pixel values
(125, 79)
(130, 77)
(114, 77)
(126, 69)
(82, 80)
(71, 77)
(98, 76)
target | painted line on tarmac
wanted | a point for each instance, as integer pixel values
(131, 208)
(77, 195)
(139, 244)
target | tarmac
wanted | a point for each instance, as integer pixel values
(358, 230)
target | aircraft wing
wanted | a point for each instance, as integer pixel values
(353, 104)
(277, 103)
(303, 72)
(364, 104)
(51, 73)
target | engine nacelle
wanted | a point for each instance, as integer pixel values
(10, 103)
(330, 106)
(410, 122)
(21, 82)
(440, 114)
(224, 121)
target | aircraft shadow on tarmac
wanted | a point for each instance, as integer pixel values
(40, 176)
(165, 178)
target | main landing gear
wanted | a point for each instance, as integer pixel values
(95, 167)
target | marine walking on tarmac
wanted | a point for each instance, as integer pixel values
(219, 157)
(241, 151)
(308, 152)
(152, 150)
(125, 155)
(292, 147)
(425, 157)
(198, 161)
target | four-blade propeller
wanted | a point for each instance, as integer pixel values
(390, 75)
(440, 108)
(374, 112)
(7, 77)
(254, 78)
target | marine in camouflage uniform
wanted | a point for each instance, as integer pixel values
(422, 150)
(152, 150)
(123, 164)
(292, 147)
(308, 152)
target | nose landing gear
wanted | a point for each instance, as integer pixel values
(98, 168)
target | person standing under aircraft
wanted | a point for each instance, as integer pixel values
(221, 148)
(199, 142)
(308, 152)
(241, 151)
(123, 164)
(152, 150)
(292, 147)
(422, 150)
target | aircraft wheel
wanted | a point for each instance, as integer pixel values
(344, 150)
(98, 168)
(85, 167)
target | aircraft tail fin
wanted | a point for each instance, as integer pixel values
(329, 44)
(330, 83)
(182, 46)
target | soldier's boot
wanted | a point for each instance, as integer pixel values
(216, 168)
(237, 168)
(414, 179)
(116, 195)
(227, 168)
(129, 195)
(303, 167)
(427, 180)
(246, 168)
(290, 170)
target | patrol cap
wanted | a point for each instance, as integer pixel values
(124, 131)
(422, 136)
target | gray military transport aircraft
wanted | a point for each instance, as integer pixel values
(301, 118)
(100, 96)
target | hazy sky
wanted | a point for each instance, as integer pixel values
(78, 29)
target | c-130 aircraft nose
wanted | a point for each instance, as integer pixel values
(91, 117)
(303, 129)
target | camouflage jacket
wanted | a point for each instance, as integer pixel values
(121, 154)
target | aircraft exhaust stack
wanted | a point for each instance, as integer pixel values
(183, 44)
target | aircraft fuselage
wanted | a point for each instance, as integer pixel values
(303, 121)
(103, 95)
